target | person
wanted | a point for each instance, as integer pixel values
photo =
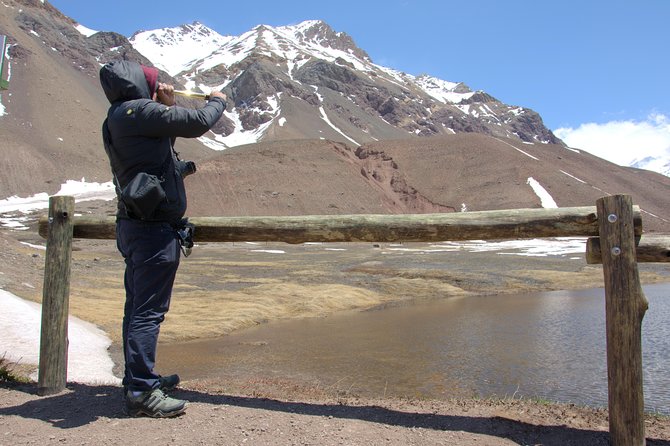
(138, 134)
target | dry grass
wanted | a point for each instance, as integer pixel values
(13, 372)
(226, 287)
(205, 314)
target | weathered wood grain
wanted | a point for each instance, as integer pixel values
(52, 375)
(483, 225)
(650, 249)
(625, 306)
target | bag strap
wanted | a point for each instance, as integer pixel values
(107, 143)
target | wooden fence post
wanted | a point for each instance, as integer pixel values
(625, 307)
(52, 374)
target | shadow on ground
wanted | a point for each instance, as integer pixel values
(84, 404)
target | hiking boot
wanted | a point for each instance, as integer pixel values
(167, 383)
(154, 403)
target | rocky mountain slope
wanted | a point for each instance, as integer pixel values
(453, 173)
(310, 81)
(331, 131)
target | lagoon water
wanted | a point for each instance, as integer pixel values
(547, 345)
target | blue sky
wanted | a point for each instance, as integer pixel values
(591, 63)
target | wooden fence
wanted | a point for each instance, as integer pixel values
(614, 225)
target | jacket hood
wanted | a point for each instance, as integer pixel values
(123, 80)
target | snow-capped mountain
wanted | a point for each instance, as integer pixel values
(328, 82)
(296, 45)
(356, 100)
(175, 49)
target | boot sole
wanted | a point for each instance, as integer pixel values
(156, 414)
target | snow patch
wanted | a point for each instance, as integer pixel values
(442, 90)
(88, 32)
(80, 190)
(88, 361)
(545, 199)
(213, 143)
(40, 247)
(557, 246)
(324, 116)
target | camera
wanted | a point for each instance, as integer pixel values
(185, 168)
(186, 236)
(185, 233)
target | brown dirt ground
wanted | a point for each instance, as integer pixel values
(286, 414)
(258, 410)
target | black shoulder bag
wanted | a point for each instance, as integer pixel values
(143, 194)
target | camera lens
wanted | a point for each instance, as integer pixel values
(186, 168)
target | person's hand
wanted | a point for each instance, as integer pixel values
(165, 94)
(218, 94)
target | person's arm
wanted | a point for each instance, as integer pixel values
(162, 119)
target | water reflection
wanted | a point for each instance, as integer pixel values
(544, 345)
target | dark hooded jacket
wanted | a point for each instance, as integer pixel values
(139, 134)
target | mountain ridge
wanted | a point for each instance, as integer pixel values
(310, 56)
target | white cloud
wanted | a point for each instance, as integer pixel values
(622, 142)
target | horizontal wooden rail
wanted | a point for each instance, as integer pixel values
(483, 225)
(651, 248)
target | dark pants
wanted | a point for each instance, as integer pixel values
(151, 253)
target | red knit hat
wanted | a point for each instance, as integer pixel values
(151, 75)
